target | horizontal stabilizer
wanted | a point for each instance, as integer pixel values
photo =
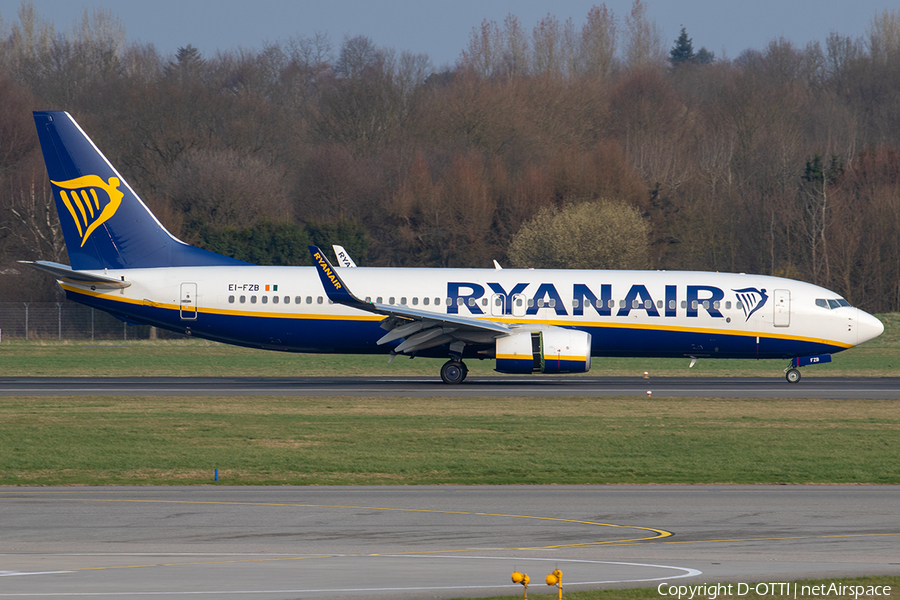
(66, 273)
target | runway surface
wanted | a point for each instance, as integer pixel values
(708, 387)
(432, 541)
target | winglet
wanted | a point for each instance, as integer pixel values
(343, 257)
(335, 288)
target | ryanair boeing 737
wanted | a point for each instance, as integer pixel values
(549, 321)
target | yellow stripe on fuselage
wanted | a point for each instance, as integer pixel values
(552, 322)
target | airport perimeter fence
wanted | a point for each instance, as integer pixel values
(68, 321)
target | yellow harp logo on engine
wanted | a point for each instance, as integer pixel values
(90, 201)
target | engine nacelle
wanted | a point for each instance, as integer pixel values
(547, 351)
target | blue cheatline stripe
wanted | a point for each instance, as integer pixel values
(320, 333)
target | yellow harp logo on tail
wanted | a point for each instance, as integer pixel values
(89, 209)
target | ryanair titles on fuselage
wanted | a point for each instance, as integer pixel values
(693, 298)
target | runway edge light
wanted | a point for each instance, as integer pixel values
(555, 578)
(523, 579)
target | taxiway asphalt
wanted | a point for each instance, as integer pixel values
(848, 388)
(432, 541)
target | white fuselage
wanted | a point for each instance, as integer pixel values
(627, 313)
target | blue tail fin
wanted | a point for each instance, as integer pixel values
(105, 224)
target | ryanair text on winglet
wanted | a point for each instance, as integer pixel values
(327, 270)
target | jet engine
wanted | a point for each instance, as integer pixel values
(554, 350)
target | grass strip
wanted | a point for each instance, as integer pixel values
(266, 440)
(805, 589)
(192, 358)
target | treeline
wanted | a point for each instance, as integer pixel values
(784, 160)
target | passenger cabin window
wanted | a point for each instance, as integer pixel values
(320, 300)
(403, 301)
(415, 301)
(230, 299)
(309, 299)
(671, 305)
(252, 299)
(298, 300)
(274, 299)
(243, 299)
(265, 299)
(424, 301)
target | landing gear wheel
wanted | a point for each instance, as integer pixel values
(792, 375)
(454, 372)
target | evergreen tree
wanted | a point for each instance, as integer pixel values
(704, 57)
(683, 51)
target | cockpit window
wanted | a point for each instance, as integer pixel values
(831, 303)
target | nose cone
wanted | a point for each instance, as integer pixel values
(868, 327)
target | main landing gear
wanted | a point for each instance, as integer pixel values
(454, 371)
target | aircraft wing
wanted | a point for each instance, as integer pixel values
(421, 328)
(67, 273)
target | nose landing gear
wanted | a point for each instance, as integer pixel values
(792, 374)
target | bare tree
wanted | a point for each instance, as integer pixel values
(515, 52)
(31, 219)
(644, 45)
(483, 55)
(883, 36)
(598, 42)
(547, 47)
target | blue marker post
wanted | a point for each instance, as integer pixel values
(217, 474)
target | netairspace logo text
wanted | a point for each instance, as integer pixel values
(785, 589)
